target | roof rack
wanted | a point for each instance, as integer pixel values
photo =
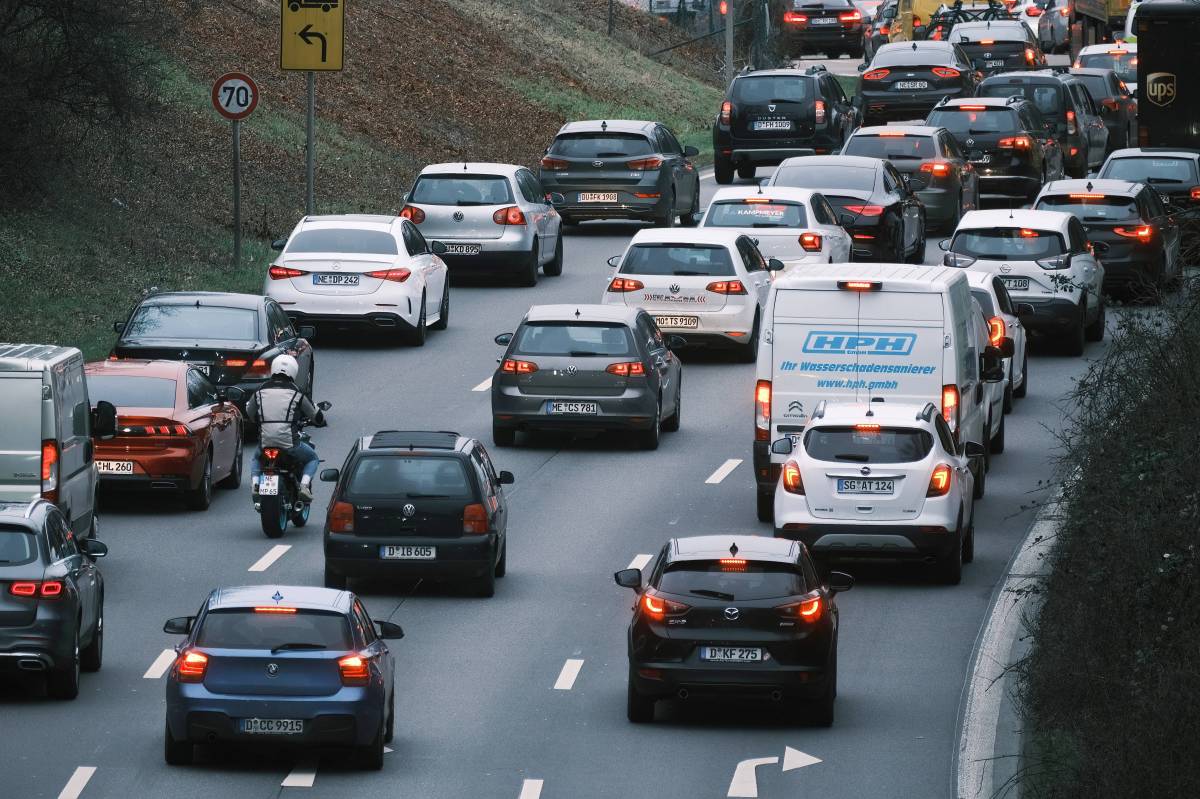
(414, 439)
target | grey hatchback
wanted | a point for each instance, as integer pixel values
(586, 367)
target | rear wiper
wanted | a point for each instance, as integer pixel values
(763, 224)
(903, 157)
(610, 155)
(1097, 219)
(295, 646)
(427, 496)
(714, 594)
(975, 132)
(583, 353)
(858, 458)
(1163, 180)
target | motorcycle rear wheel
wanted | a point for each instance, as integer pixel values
(274, 515)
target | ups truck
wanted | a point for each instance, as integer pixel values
(1169, 89)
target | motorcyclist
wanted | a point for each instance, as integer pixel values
(280, 407)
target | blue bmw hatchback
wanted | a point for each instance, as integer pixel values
(282, 665)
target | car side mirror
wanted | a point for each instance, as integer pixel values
(782, 446)
(862, 68)
(775, 265)
(104, 420)
(279, 244)
(973, 449)
(1024, 310)
(330, 475)
(1006, 347)
(504, 339)
(324, 405)
(307, 332)
(676, 342)
(944, 245)
(839, 582)
(846, 220)
(690, 151)
(180, 625)
(629, 578)
(556, 199)
(118, 327)
(614, 261)
(389, 631)
(231, 394)
(93, 548)
(506, 478)
(437, 248)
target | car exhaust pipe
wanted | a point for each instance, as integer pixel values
(776, 696)
(683, 693)
(31, 664)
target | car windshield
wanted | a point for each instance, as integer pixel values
(347, 240)
(829, 176)
(129, 391)
(461, 190)
(770, 89)
(409, 476)
(908, 57)
(1153, 170)
(1123, 63)
(1014, 244)
(246, 628)
(601, 145)
(193, 323)
(1091, 208)
(898, 147)
(579, 339)
(677, 259)
(757, 214)
(1048, 99)
(732, 579)
(985, 301)
(1097, 86)
(17, 545)
(867, 444)
(975, 120)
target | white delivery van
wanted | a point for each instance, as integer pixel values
(866, 333)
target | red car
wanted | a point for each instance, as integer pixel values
(176, 431)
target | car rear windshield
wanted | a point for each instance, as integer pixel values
(1015, 244)
(770, 89)
(1122, 63)
(127, 391)
(245, 628)
(1093, 208)
(867, 444)
(985, 301)
(1155, 171)
(855, 178)
(897, 148)
(414, 476)
(17, 545)
(347, 240)
(972, 121)
(578, 339)
(461, 190)
(601, 145)
(733, 580)
(748, 213)
(1047, 98)
(907, 57)
(194, 323)
(1097, 86)
(677, 259)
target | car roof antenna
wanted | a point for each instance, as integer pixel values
(869, 401)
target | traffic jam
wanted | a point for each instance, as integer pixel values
(890, 264)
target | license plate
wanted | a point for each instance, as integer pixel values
(731, 654)
(597, 196)
(1016, 283)
(912, 84)
(773, 124)
(201, 367)
(989, 64)
(983, 159)
(860, 486)
(677, 321)
(573, 407)
(389, 552)
(272, 726)
(823, 21)
(464, 249)
(336, 280)
(114, 467)
(268, 485)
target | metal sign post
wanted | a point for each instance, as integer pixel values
(235, 96)
(729, 25)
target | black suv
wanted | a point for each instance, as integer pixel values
(1006, 141)
(417, 504)
(51, 597)
(770, 115)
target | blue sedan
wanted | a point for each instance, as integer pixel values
(285, 665)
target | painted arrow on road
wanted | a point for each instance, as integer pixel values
(745, 779)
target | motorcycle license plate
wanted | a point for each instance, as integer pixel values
(268, 485)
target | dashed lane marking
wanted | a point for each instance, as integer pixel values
(639, 561)
(484, 386)
(77, 783)
(531, 789)
(566, 677)
(723, 471)
(273, 554)
(303, 775)
(160, 665)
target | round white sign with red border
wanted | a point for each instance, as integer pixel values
(235, 95)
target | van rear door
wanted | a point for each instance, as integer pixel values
(20, 436)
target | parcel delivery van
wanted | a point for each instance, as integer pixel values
(870, 333)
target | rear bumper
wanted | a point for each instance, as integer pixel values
(358, 556)
(941, 204)
(1131, 271)
(768, 680)
(351, 717)
(372, 320)
(817, 38)
(172, 467)
(144, 482)
(885, 540)
(381, 308)
(1051, 315)
(503, 261)
(634, 410)
(42, 645)
(732, 319)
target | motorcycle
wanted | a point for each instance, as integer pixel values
(278, 498)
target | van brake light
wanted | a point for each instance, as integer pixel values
(950, 407)
(50, 470)
(762, 410)
(860, 285)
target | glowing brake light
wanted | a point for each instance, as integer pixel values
(475, 518)
(510, 215)
(819, 112)
(946, 72)
(1195, 193)
(762, 410)
(1029, 55)
(1142, 233)
(987, 41)
(514, 367)
(1016, 143)
(950, 407)
(892, 134)
(876, 74)
(1118, 52)
(645, 164)
(795, 19)
(270, 453)
(865, 210)
(860, 285)
(622, 284)
(277, 272)
(1066, 12)
(412, 214)
(936, 168)
(355, 670)
(972, 108)
(867, 428)
(810, 242)
(939, 481)
(393, 275)
(190, 666)
(1033, 11)
(807, 609)
(627, 369)
(996, 331)
(656, 606)
(1026, 233)
(726, 112)
(726, 287)
(43, 589)
(275, 609)
(1086, 196)
(341, 518)
(853, 16)
(50, 470)
(1071, 122)
(793, 482)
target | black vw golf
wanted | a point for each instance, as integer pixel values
(733, 615)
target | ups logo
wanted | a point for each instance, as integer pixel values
(1160, 88)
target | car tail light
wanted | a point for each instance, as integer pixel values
(810, 242)
(867, 428)
(876, 74)
(50, 470)
(554, 164)
(413, 214)
(793, 482)
(1086, 196)
(950, 407)
(987, 41)
(1142, 233)
(819, 112)
(1065, 12)
(860, 285)
(645, 164)
(865, 210)
(936, 168)
(475, 518)
(1029, 55)
(647, 195)
(1118, 52)
(808, 609)
(1070, 121)
(1016, 143)
(355, 669)
(627, 369)
(657, 607)
(23, 589)
(43, 589)
(946, 72)
(916, 21)
(398, 275)
(190, 666)
(258, 366)
(510, 215)
(341, 518)
(1033, 11)
(270, 453)
(277, 272)
(733, 564)
(762, 410)
(884, 30)
(939, 481)
(794, 18)
(726, 287)
(1195, 193)
(515, 367)
(996, 331)
(854, 16)
(623, 284)
(726, 112)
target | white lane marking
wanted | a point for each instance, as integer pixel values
(639, 562)
(484, 386)
(273, 554)
(77, 783)
(160, 665)
(387, 750)
(723, 471)
(566, 677)
(794, 758)
(303, 775)
(745, 782)
(531, 789)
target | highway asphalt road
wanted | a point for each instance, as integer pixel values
(489, 700)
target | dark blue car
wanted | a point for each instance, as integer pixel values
(286, 665)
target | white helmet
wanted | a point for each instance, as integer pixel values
(285, 365)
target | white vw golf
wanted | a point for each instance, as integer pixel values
(796, 226)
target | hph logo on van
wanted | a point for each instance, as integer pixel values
(833, 342)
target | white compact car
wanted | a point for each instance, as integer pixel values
(878, 480)
(1044, 259)
(361, 271)
(1121, 58)
(797, 226)
(706, 285)
(1004, 319)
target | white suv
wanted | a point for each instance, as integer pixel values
(1044, 259)
(794, 225)
(878, 480)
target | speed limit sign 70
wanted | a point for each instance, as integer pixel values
(235, 95)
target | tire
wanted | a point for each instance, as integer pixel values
(747, 171)
(692, 218)
(1020, 391)
(722, 171)
(200, 497)
(638, 708)
(854, 53)
(968, 553)
(272, 516)
(1008, 397)
(92, 656)
(822, 711)
(370, 757)
(980, 484)
(416, 336)
(444, 311)
(485, 586)
(667, 220)
(554, 268)
(996, 445)
(948, 569)
(528, 276)
(233, 480)
(1095, 330)
(502, 563)
(503, 436)
(176, 753)
(766, 507)
(648, 439)
(748, 352)
(63, 682)
(335, 580)
(389, 729)
(671, 423)
(1072, 345)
